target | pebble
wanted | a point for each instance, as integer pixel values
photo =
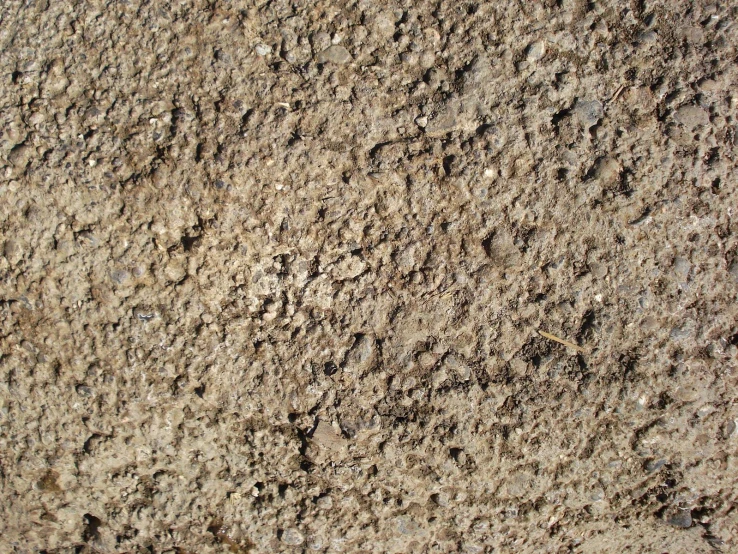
(681, 519)
(426, 360)
(88, 238)
(681, 267)
(83, 390)
(324, 503)
(335, 54)
(709, 85)
(427, 60)
(589, 113)
(406, 259)
(443, 122)
(263, 49)
(325, 437)
(421, 121)
(648, 37)
(433, 78)
(692, 116)
(292, 537)
(408, 526)
(654, 465)
(21, 155)
(454, 363)
(360, 353)
(607, 169)
(682, 332)
(495, 138)
(535, 51)
(321, 41)
(382, 24)
(120, 276)
(410, 58)
(12, 252)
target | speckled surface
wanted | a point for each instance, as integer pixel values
(273, 276)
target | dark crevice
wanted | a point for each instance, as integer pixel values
(92, 528)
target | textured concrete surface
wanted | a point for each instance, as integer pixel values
(274, 276)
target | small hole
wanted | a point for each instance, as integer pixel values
(330, 369)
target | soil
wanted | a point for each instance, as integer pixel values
(311, 276)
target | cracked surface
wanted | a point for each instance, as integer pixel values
(273, 276)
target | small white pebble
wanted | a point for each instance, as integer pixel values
(263, 49)
(536, 50)
(292, 537)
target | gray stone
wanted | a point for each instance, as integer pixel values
(21, 155)
(536, 50)
(443, 122)
(681, 267)
(84, 390)
(589, 112)
(292, 537)
(360, 354)
(12, 251)
(692, 116)
(456, 364)
(410, 58)
(682, 332)
(648, 37)
(681, 519)
(120, 276)
(654, 465)
(263, 49)
(321, 41)
(334, 54)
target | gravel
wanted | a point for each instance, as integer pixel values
(336, 54)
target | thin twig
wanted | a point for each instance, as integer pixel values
(561, 341)
(617, 93)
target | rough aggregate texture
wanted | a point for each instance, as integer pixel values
(273, 273)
